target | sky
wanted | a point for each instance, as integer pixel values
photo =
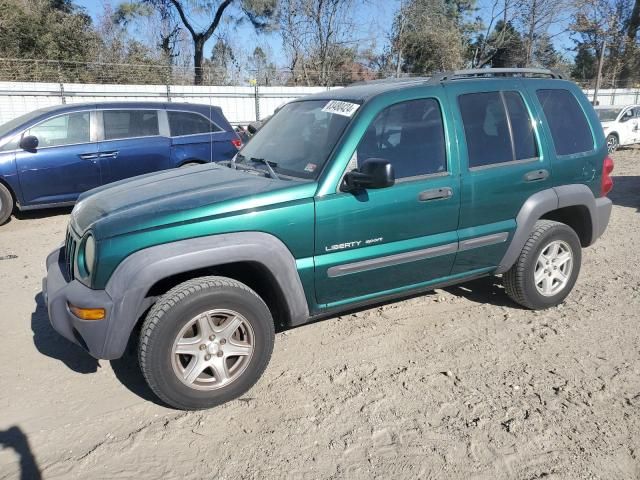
(375, 18)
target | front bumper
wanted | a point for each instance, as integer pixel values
(58, 291)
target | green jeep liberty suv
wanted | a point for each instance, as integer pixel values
(344, 198)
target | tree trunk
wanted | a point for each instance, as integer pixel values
(599, 74)
(198, 56)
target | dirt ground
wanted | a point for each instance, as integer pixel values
(460, 383)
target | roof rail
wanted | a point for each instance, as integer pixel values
(495, 72)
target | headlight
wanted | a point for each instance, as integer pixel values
(89, 253)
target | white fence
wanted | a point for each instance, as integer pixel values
(240, 105)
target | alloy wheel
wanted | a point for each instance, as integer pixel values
(213, 349)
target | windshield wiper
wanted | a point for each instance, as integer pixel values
(272, 172)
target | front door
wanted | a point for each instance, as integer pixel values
(64, 165)
(131, 144)
(628, 127)
(382, 241)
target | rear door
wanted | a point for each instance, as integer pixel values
(191, 137)
(502, 164)
(65, 164)
(130, 143)
(381, 241)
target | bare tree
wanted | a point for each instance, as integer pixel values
(536, 17)
(319, 37)
(491, 40)
(257, 12)
(597, 22)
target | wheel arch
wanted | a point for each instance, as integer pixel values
(186, 161)
(258, 259)
(574, 205)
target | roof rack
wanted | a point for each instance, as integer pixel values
(495, 72)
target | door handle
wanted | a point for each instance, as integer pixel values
(88, 156)
(435, 194)
(536, 175)
(113, 154)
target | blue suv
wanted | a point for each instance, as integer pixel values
(50, 156)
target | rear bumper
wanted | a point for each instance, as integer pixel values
(58, 292)
(601, 215)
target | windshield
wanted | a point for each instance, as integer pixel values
(298, 139)
(608, 114)
(18, 121)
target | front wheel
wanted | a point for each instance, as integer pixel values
(612, 143)
(547, 268)
(6, 204)
(205, 342)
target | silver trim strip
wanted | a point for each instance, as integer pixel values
(485, 241)
(397, 259)
(415, 255)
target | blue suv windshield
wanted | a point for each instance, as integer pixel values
(299, 138)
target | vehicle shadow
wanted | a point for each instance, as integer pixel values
(485, 290)
(127, 371)
(626, 191)
(15, 439)
(41, 213)
(52, 344)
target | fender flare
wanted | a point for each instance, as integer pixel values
(545, 201)
(132, 279)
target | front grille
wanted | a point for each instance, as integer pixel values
(70, 245)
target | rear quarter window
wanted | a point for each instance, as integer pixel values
(189, 123)
(567, 122)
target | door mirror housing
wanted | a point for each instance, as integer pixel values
(29, 143)
(373, 173)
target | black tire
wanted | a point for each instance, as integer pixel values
(6, 204)
(612, 142)
(171, 314)
(519, 279)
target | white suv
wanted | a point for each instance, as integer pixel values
(621, 125)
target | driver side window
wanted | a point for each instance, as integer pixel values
(410, 135)
(65, 129)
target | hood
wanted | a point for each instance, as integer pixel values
(174, 196)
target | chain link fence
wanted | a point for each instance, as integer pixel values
(52, 71)
(26, 85)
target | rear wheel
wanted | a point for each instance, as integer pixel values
(547, 268)
(6, 204)
(612, 143)
(205, 342)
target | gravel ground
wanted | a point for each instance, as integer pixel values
(460, 383)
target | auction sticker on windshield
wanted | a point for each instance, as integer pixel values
(346, 109)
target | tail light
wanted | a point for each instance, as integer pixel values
(237, 143)
(607, 181)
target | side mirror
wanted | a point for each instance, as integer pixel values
(373, 173)
(29, 143)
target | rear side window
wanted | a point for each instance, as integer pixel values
(569, 126)
(497, 127)
(189, 123)
(410, 135)
(130, 123)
